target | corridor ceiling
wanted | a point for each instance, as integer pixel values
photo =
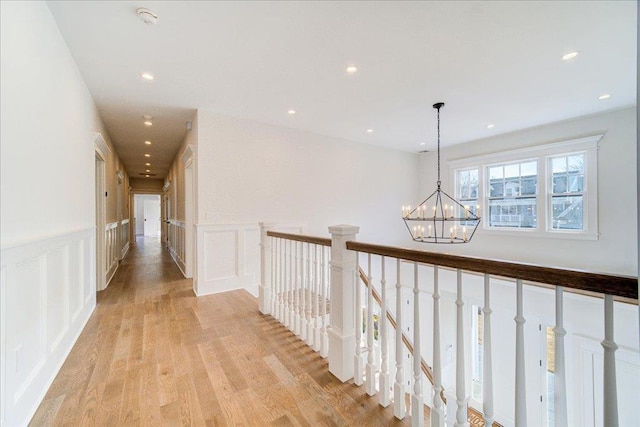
(493, 62)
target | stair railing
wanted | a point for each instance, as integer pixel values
(301, 275)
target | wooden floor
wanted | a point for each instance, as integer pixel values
(154, 354)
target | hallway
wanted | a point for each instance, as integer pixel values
(154, 354)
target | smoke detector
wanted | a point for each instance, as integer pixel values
(147, 16)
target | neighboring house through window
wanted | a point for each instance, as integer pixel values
(547, 190)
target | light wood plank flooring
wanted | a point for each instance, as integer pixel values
(154, 354)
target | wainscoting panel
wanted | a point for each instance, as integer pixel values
(228, 256)
(176, 232)
(47, 295)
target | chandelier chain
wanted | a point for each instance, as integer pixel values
(439, 147)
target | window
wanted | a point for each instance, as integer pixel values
(567, 185)
(548, 190)
(468, 190)
(512, 190)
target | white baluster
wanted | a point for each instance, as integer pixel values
(371, 367)
(461, 397)
(296, 292)
(559, 377)
(487, 367)
(358, 374)
(304, 267)
(317, 322)
(383, 332)
(274, 279)
(324, 348)
(610, 347)
(309, 313)
(417, 400)
(288, 303)
(437, 412)
(293, 284)
(399, 405)
(521, 391)
(279, 280)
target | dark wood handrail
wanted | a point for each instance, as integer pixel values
(423, 364)
(619, 286)
(324, 241)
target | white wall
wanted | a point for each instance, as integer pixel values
(250, 172)
(616, 250)
(47, 207)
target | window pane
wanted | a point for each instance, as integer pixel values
(496, 189)
(576, 183)
(512, 187)
(519, 213)
(528, 186)
(511, 171)
(495, 172)
(467, 181)
(529, 169)
(576, 163)
(559, 164)
(567, 212)
(560, 184)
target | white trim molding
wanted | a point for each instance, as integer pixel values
(48, 292)
(189, 154)
(101, 146)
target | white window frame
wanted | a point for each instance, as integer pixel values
(543, 154)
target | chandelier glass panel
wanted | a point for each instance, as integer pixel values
(440, 218)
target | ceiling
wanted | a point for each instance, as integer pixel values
(490, 62)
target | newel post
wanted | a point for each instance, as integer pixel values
(342, 330)
(264, 289)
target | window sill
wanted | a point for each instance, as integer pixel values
(566, 235)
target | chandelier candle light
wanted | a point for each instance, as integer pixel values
(440, 218)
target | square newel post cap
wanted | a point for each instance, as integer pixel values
(343, 229)
(267, 224)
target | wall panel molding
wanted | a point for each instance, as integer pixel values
(228, 256)
(47, 293)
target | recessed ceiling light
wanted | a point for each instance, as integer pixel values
(604, 96)
(490, 126)
(369, 130)
(147, 155)
(570, 55)
(147, 76)
(147, 170)
(351, 69)
(146, 176)
(147, 164)
(291, 112)
(148, 123)
(147, 142)
(423, 143)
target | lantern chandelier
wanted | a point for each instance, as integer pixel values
(440, 218)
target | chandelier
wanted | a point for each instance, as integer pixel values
(440, 218)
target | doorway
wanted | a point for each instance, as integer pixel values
(147, 215)
(101, 256)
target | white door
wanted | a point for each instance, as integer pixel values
(152, 217)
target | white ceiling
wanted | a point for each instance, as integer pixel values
(490, 62)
